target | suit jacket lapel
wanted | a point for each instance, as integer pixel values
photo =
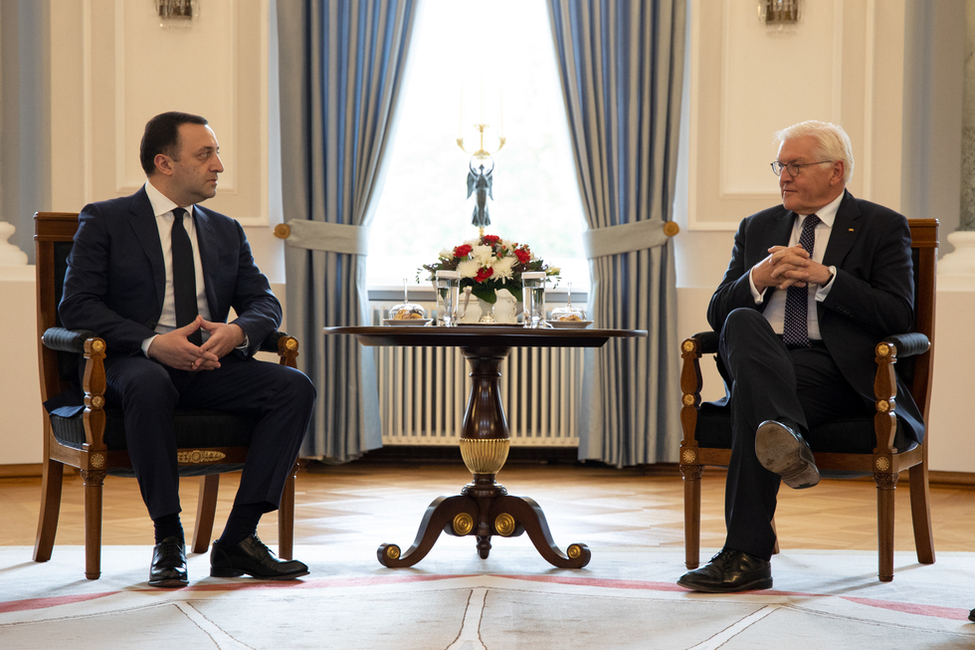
(845, 230)
(781, 230)
(208, 257)
(143, 222)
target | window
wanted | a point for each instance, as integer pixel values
(504, 47)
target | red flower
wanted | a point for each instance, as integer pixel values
(491, 239)
(524, 255)
(463, 250)
(483, 274)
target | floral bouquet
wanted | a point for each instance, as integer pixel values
(489, 263)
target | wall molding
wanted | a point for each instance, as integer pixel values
(112, 60)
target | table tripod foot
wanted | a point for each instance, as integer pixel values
(521, 514)
(454, 515)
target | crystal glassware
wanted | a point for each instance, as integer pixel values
(447, 284)
(570, 312)
(533, 295)
(407, 310)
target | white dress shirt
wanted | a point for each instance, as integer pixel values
(163, 208)
(775, 311)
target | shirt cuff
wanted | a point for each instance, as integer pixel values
(757, 296)
(146, 343)
(823, 290)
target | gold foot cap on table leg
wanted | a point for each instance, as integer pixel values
(388, 552)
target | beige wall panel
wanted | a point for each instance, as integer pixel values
(132, 68)
(770, 80)
(842, 63)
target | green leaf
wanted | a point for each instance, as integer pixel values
(485, 293)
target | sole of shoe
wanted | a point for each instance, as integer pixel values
(169, 583)
(222, 572)
(780, 452)
(754, 585)
(225, 572)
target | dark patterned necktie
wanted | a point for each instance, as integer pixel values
(184, 277)
(795, 330)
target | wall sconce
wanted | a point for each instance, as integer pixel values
(779, 14)
(177, 12)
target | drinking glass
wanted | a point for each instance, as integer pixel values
(448, 287)
(533, 295)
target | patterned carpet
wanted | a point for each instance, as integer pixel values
(625, 598)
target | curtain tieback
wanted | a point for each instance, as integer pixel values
(321, 236)
(627, 237)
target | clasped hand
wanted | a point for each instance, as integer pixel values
(175, 350)
(787, 266)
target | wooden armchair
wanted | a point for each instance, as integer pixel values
(707, 426)
(83, 431)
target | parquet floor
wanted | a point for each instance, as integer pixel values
(371, 503)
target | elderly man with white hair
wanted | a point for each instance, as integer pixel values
(812, 284)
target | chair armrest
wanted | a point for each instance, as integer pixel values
(707, 341)
(65, 340)
(284, 345)
(910, 344)
(93, 383)
(691, 383)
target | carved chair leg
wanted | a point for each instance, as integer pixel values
(692, 514)
(47, 522)
(94, 481)
(286, 518)
(206, 507)
(921, 514)
(886, 484)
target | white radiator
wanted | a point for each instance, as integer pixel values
(423, 393)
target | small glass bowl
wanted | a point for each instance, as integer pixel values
(570, 312)
(407, 311)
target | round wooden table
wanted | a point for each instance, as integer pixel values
(484, 508)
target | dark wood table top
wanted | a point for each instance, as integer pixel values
(482, 336)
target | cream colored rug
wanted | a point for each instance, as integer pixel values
(625, 598)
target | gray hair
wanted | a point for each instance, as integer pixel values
(834, 143)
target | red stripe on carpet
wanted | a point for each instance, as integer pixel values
(596, 582)
(54, 601)
(913, 608)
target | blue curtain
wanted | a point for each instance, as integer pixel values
(340, 70)
(621, 66)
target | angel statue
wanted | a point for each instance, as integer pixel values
(480, 181)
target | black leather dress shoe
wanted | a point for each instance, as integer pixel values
(255, 559)
(785, 452)
(728, 571)
(168, 564)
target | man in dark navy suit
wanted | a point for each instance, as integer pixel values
(156, 275)
(812, 285)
